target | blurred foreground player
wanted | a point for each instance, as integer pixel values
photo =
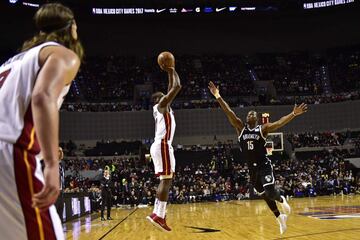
(252, 138)
(162, 153)
(32, 87)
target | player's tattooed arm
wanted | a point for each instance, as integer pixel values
(174, 88)
(233, 119)
(271, 127)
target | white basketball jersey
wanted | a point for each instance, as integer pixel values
(164, 125)
(17, 80)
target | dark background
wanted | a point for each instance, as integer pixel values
(288, 29)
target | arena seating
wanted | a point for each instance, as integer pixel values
(218, 172)
(108, 83)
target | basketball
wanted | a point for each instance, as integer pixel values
(166, 60)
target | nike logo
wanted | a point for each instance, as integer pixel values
(220, 9)
(160, 10)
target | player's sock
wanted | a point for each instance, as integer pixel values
(161, 209)
(156, 206)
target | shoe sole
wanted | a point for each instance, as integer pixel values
(158, 226)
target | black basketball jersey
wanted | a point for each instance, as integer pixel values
(252, 145)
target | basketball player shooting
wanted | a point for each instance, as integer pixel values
(251, 137)
(162, 153)
(32, 88)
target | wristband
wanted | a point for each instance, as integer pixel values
(217, 96)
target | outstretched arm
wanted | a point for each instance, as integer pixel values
(271, 127)
(233, 119)
(173, 88)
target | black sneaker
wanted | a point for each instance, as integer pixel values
(109, 218)
(102, 219)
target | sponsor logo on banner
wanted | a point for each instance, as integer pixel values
(323, 4)
(184, 10)
(149, 10)
(208, 10)
(160, 10)
(232, 9)
(31, 4)
(220, 9)
(248, 8)
(173, 10)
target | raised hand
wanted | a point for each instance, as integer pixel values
(298, 110)
(213, 89)
(167, 69)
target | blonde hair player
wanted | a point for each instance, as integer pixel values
(32, 87)
(251, 137)
(162, 153)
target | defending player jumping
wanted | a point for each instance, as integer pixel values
(251, 137)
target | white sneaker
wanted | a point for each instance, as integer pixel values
(282, 218)
(285, 206)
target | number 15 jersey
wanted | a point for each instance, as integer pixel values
(252, 145)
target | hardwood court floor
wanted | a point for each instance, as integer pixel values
(229, 220)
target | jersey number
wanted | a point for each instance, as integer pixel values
(250, 145)
(3, 76)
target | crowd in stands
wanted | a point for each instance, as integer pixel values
(109, 83)
(218, 173)
(210, 103)
(104, 148)
(317, 139)
(95, 163)
(323, 174)
(113, 148)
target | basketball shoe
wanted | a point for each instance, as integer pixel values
(281, 219)
(158, 222)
